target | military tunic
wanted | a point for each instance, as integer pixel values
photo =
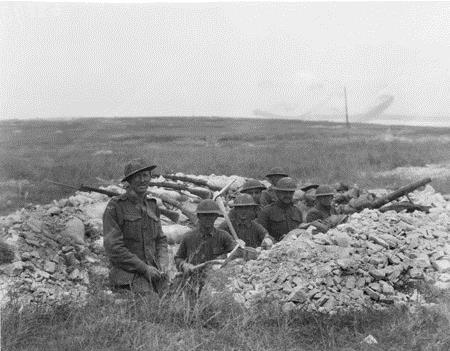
(251, 232)
(279, 219)
(133, 238)
(319, 213)
(196, 247)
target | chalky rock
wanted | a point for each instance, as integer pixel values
(50, 267)
(13, 269)
(442, 265)
(75, 229)
(34, 224)
(175, 232)
(60, 246)
(442, 285)
(362, 263)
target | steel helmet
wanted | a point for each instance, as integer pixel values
(135, 166)
(252, 184)
(277, 171)
(208, 206)
(286, 184)
(324, 190)
(308, 187)
(244, 200)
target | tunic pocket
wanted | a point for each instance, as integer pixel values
(296, 217)
(217, 251)
(132, 224)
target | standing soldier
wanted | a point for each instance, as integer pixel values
(280, 217)
(247, 229)
(205, 243)
(133, 237)
(268, 196)
(254, 188)
(322, 204)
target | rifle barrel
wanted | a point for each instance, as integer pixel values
(404, 190)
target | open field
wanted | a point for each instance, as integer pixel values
(83, 150)
(219, 323)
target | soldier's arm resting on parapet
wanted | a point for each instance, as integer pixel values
(227, 242)
(313, 215)
(266, 241)
(263, 219)
(115, 248)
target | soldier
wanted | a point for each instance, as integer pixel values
(268, 196)
(133, 237)
(247, 229)
(254, 188)
(322, 204)
(282, 216)
(202, 244)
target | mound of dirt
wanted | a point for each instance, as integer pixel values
(362, 263)
(57, 249)
(58, 254)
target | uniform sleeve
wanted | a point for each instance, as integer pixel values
(162, 254)
(224, 226)
(263, 219)
(313, 215)
(181, 254)
(114, 245)
(228, 242)
(262, 233)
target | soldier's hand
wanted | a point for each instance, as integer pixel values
(266, 244)
(321, 226)
(187, 267)
(152, 273)
(159, 202)
(240, 242)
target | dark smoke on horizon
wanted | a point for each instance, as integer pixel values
(374, 112)
(383, 103)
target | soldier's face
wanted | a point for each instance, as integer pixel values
(255, 194)
(324, 201)
(140, 181)
(285, 197)
(206, 220)
(245, 212)
(274, 179)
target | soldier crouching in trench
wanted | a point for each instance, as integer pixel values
(242, 218)
(268, 196)
(133, 237)
(280, 217)
(205, 243)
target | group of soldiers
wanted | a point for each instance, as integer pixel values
(137, 248)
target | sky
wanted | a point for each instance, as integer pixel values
(61, 60)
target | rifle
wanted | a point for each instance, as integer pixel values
(192, 180)
(200, 266)
(404, 190)
(202, 193)
(190, 215)
(333, 221)
(172, 215)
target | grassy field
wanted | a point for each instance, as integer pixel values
(83, 150)
(216, 322)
